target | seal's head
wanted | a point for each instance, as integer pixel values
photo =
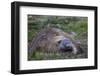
(64, 43)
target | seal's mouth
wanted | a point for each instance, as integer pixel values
(67, 49)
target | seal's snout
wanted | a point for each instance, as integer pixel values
(65, 45)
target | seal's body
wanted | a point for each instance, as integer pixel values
(53, 40)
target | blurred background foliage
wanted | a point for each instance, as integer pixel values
(79, 25)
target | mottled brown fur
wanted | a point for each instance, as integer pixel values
(47, 40)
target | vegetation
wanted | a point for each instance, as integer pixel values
(78, 25)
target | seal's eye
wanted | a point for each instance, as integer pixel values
(59, 41)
